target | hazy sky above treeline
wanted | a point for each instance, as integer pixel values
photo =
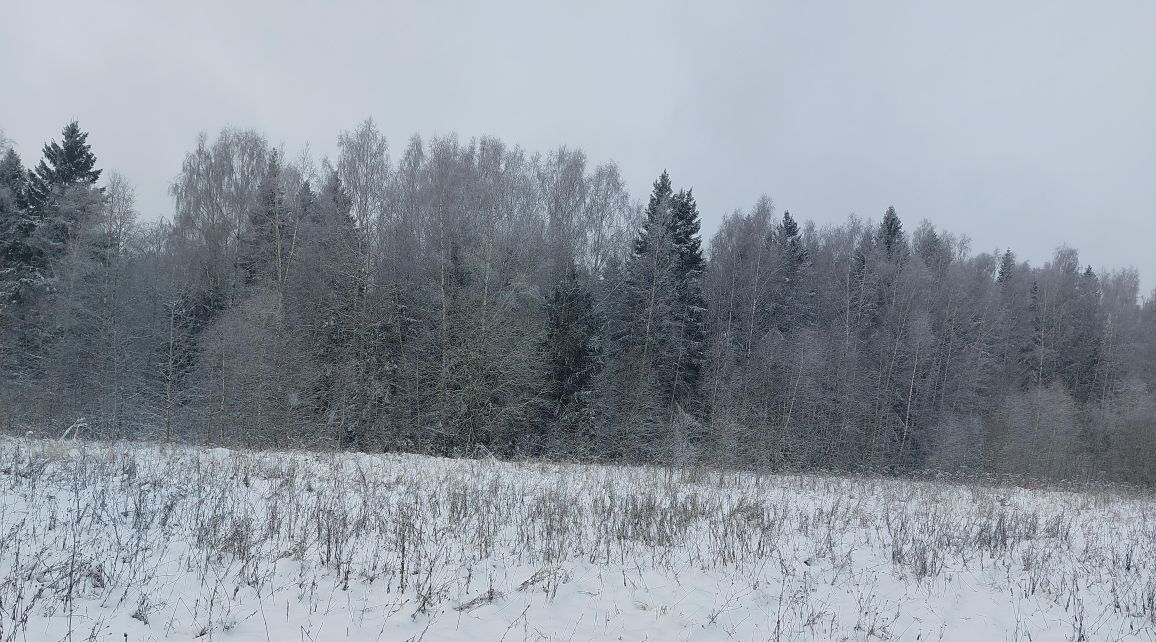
(1027, 124)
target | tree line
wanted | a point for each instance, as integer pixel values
(469, 296)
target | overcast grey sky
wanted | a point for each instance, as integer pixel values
(1030, 123)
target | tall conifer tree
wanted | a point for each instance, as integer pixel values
(69, 162)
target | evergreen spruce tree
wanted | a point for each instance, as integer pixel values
(71, 162)
(359, 348)
(1007, 266)
(43, 210)
(60, 201)
(891, 237)
(864, 306)
(12, 175)
(645, 324)
(790, 309)
(1032, 352)
(1084, 333)
(691, 307)
(663, 312)
(573, 349)
(333, 232)
(657, 215)
(14, 223)
(15, 228)
(789, 233)
(685, 227)
(263, 255)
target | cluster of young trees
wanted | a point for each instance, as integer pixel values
(470, 297)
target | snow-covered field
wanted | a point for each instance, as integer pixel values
(182, 543)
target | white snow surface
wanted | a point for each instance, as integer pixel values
(180, 543)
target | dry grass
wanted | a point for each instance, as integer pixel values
(195, 542)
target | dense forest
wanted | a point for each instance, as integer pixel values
(458, 297)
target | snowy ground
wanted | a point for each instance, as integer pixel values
(183, 543)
